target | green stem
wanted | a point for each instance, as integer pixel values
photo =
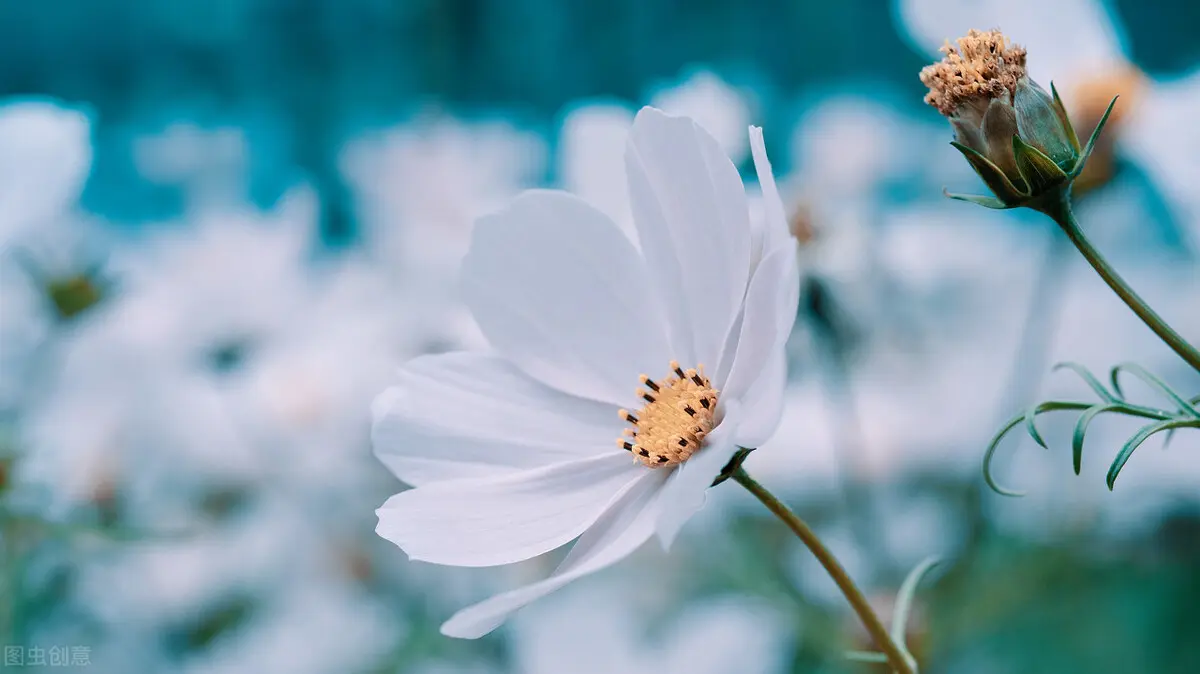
(1062, 214)
(899, 661)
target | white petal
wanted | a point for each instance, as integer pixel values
(690, 209)
(684, 493)
(464, 415)
(770, 313)
(505, 519)
(762, 408)
(623, 528)
(559, 290)
(775, 231)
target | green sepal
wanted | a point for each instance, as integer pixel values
(1061, 109)
(1091, 144)
(991, 175)
(1039, 171)
(732, 466)
(979, 199)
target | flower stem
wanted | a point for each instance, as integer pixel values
(1061, 212)
(900, 662)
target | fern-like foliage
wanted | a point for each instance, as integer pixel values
(1181, 413)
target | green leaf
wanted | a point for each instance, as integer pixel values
(904, 600)
(1031, 426)
(980, 200)
(991, 175)
(989, 455)
(1153, 382)
(1081, 426)
(1088, 378)
(1039, 171)
(1091, 144)
(1140, 437)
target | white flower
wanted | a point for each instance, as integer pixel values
(512, 451)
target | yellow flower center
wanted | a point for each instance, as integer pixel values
(672, 424)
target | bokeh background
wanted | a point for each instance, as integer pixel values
(225, 223)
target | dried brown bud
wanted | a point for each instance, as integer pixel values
(983, 66)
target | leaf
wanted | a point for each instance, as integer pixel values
(979, 200)
(1081, 427)
(904, 600)
(1140, 437)
(1088, 378)
(1154, 382)
(1050, 406)
(1031, 426)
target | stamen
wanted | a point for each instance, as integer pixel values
(650, 382)
(673, 423)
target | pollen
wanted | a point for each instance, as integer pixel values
(984, 65)
(677, 415)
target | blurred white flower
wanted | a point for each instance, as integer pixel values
(591, 140)
(45, 159)
(602, 629)
(505, 448)
(209, 164)
(591, 158)
(227, 353)
(717, 107)
(421, 186)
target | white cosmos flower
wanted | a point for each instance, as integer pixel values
(512, 451)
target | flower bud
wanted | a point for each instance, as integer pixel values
(1016, 136)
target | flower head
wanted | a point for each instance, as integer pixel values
(1016, 136)
(512, 451)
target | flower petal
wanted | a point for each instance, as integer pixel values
(623, 528)
(690, 209)
(465, 415)
(560, 291)
(684, 493)
(505, 519)
(770, 313)
(763, 405)
(775, 230)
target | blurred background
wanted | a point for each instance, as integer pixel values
(225, 223)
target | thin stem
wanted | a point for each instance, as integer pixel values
(896, 656)
(1062, 214)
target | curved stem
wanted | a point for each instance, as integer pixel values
(1062, 214)
(896, 657)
